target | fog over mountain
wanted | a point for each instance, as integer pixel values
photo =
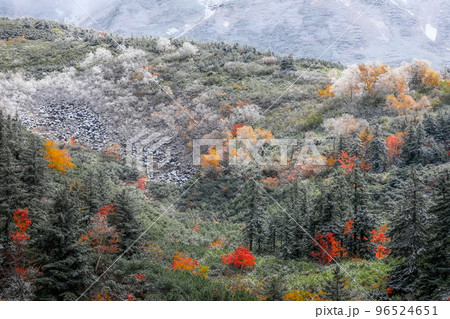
(389, 30)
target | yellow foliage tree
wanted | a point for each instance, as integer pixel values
(431, 78)
(326, 92)
(303, 295)
(58, 159)
(211, 159)
(369, 74)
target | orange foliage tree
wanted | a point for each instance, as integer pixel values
(270, 182)
(423, 72)
(241, 258)
(20, 240)
(347, 162)
(326, 92)
(212, 159)
(58, 159)
(181, 261)
(327, 248)
(404, 103)
(369, 74)
(379, 238)
(394, 144)
(101, 297)
(219, 243)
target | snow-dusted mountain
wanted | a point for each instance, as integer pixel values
(387, 30)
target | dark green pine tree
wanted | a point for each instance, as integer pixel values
(331, 206)
(434, 283)
(13, 191)
(63, 261)
(408, 234)
(335, 286)
(357, 240)
(126, 222)
(95, 194)
(343, 144)
(443, 127)
(273, 229)
(35, 166)
(286, 235)
(252, 201)
(275, 288)
(413, 151)
(429, 124)
(287, 63)
(377, 152)
(294, 217)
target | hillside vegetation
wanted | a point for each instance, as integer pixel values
(366, 187)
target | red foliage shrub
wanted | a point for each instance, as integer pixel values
(327, 248)
(140, 277)
(22, 222)
(235, 128)
(240, 258)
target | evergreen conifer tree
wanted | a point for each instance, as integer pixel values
(63, 261)
(377, 151)
(335, 287)
(126, 222)
(408, 235)
(252, 202)
(434, 280)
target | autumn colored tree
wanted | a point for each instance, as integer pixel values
(22, 222)
(423, 74)
(101, 237)
(219, 243)
(235, 128)
(347, 162)
(394, 143)
(212, 159)
(58, 159)
(326, 92)
(241, 258)
(181, 261)
(22, 272)
(369, 75)
(404, 103)
(378, 237)
(327, 248)
(303, 295)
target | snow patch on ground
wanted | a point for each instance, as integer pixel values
(430, 32)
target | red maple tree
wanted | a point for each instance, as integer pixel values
(379, 237)
(327, 247)
(22, 221)
(240, 258)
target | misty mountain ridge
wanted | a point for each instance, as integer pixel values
(389, 30)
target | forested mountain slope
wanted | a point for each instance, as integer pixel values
(366, 184)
